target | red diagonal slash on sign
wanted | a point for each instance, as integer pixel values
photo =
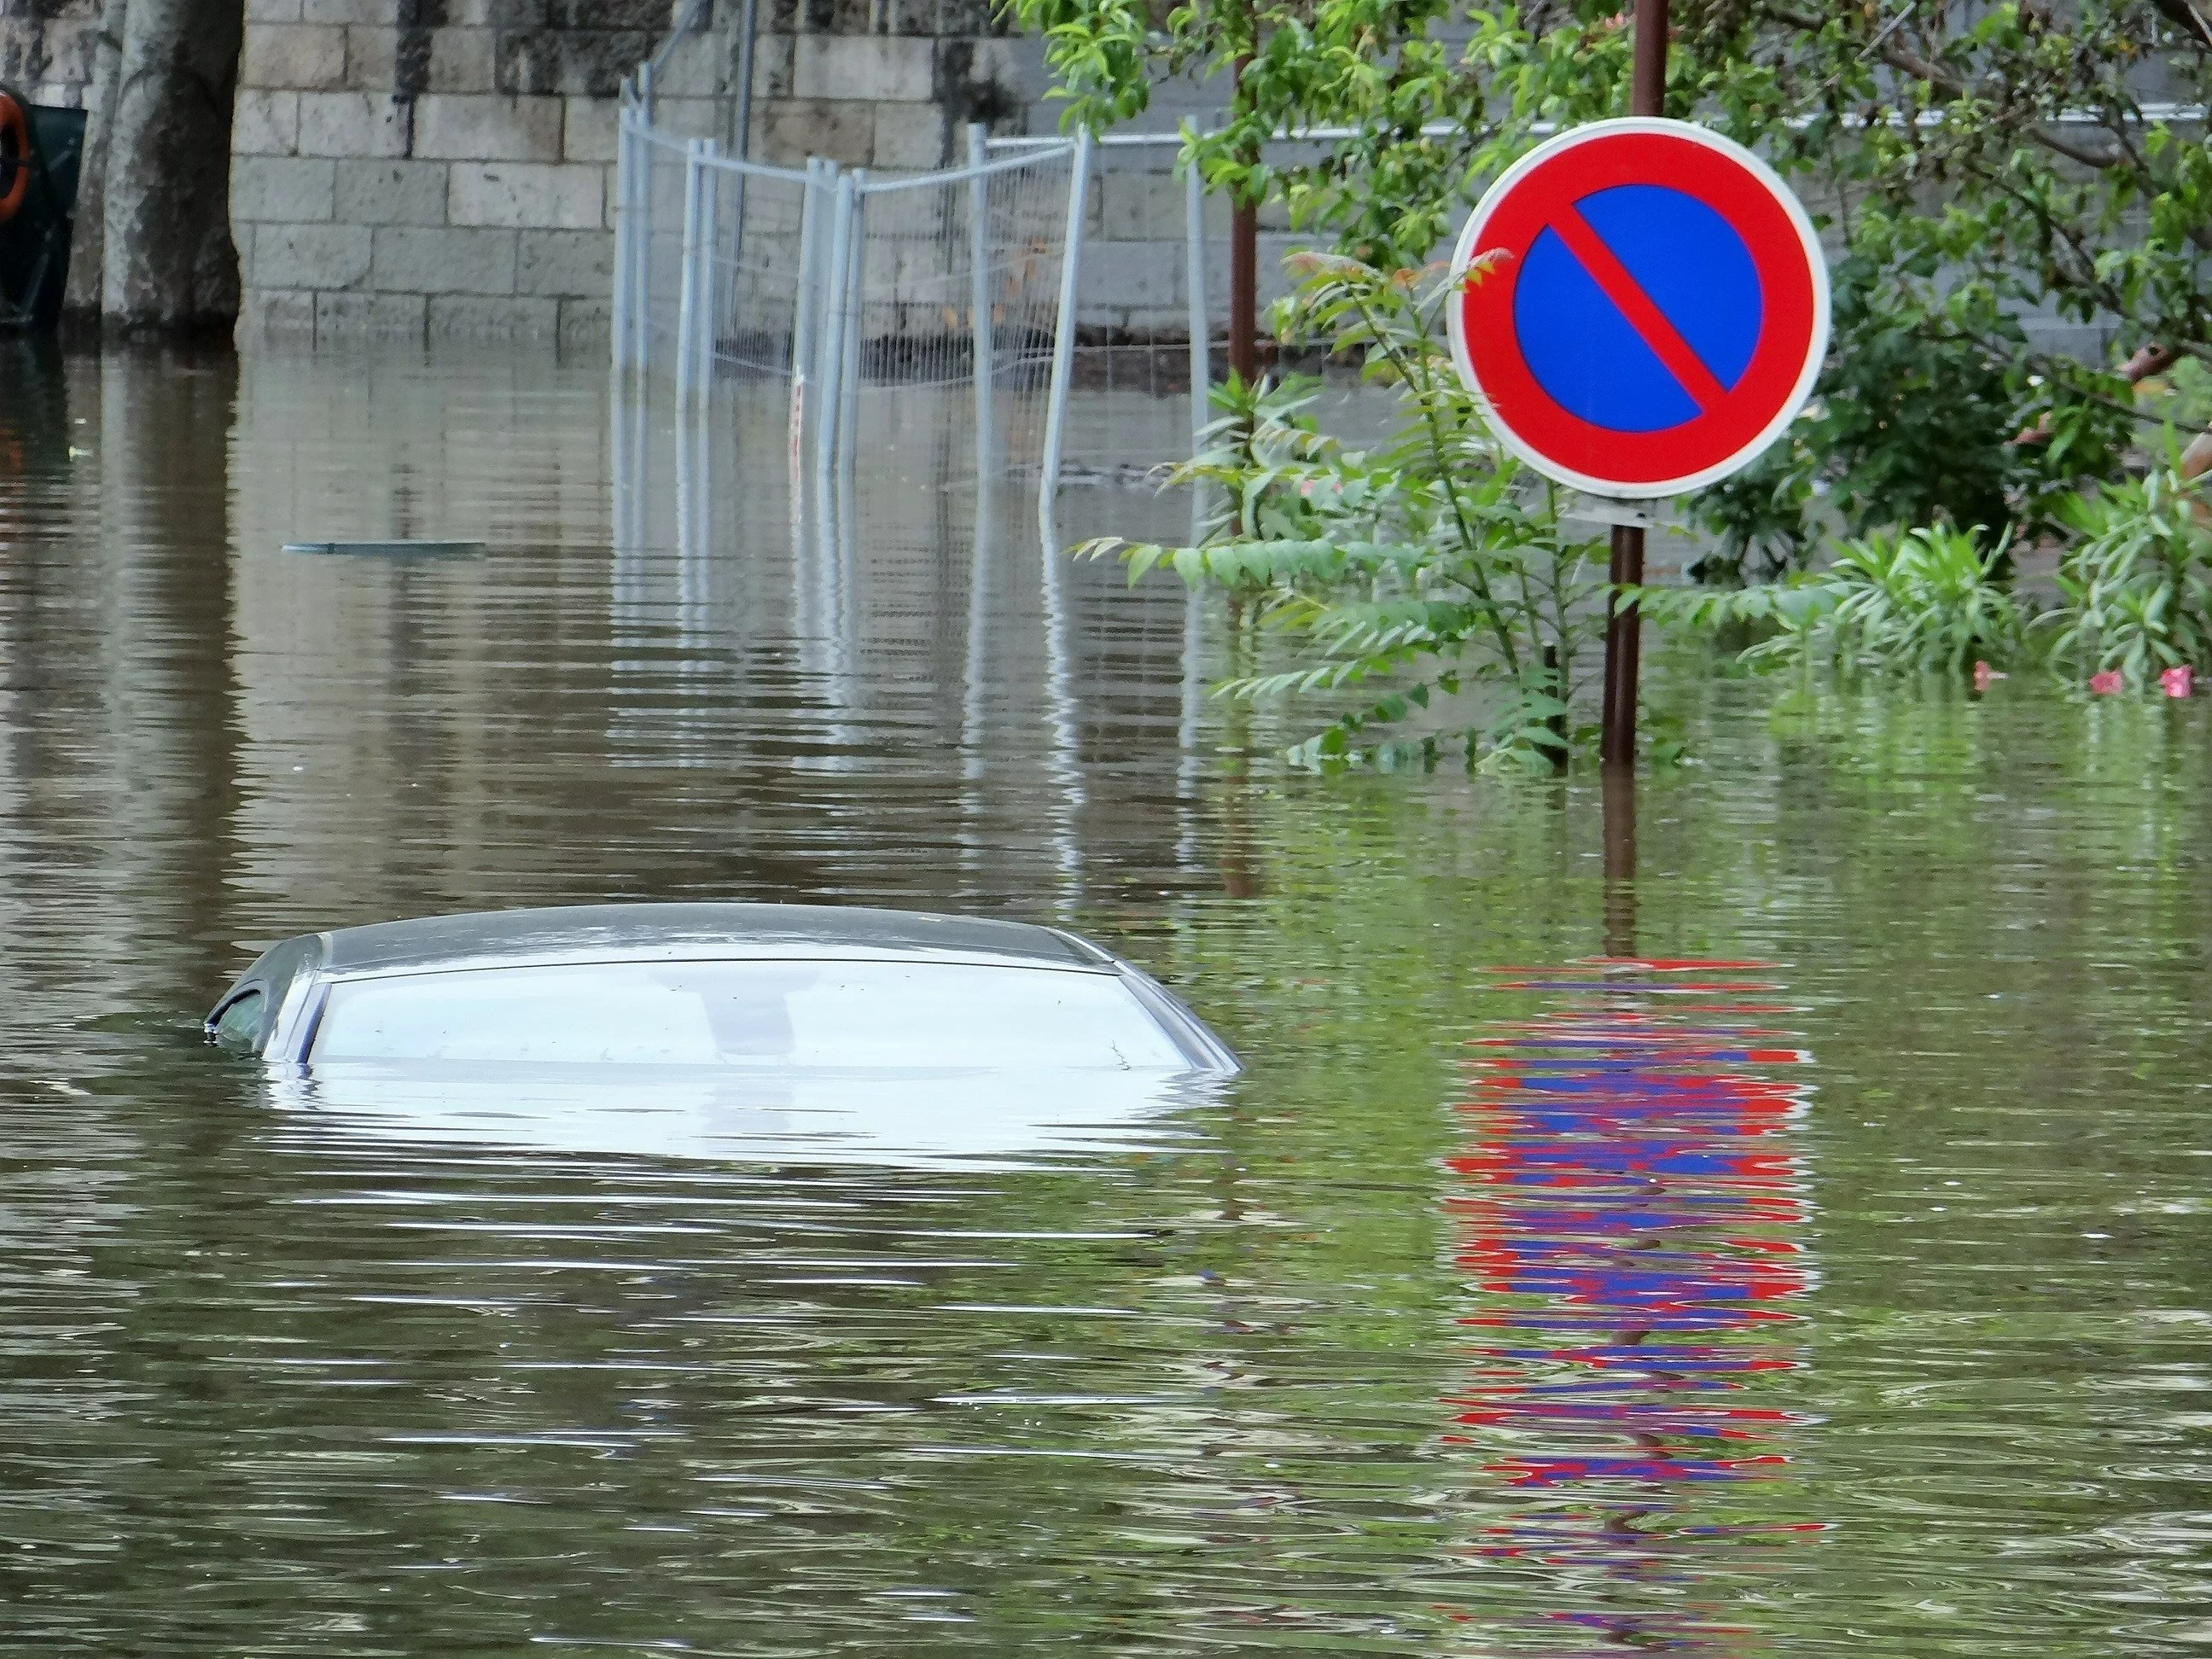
(1650, 322)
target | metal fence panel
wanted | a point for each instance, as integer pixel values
(932, 309)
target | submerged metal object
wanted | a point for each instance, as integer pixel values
(768, 989)
(421, 549)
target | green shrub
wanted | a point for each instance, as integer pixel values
(1931, 600)
(1434, 561)
(2134, 594)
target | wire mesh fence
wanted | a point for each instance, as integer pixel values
(888, 306)
(959, 288)
(1048, 309)
(954, 284)
(754, 271)
(1139, 303)
(1149, 312)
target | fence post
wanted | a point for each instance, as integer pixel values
(705, 315)
(741, 140)
(856, 266)
(687, 300)
(625, 221)
(979, 298)
(829, 392)
(1063, 335)
(641, 239)
(1202, 333)
(804, 322)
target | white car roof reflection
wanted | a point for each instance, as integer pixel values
(976, 1120)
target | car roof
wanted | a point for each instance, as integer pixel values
(675, 931)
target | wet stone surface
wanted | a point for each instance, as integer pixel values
(1830, 1278)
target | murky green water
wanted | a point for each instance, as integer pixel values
(1839, 1284)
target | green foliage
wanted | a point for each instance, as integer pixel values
(1433, 563)
(2182, 396)
(2134, 594)
(1977, 164)
(1926, 601)
(1759, 519)
(1914, 426)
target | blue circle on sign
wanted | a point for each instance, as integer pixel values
(1636, 318)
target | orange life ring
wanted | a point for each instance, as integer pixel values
(15, 167)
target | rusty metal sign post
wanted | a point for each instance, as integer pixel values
(1656, 315)
(1624, 628)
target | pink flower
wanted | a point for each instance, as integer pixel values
(1984, 675)
(2179, 681)
(2106, 685)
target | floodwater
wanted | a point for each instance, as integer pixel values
(1798, 1248)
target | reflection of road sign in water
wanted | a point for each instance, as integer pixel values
(1630, 1220)
(1652, 311)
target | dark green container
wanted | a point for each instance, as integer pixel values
(34, 241)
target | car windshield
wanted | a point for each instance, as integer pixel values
(784, 1014)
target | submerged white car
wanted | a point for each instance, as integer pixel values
(771, 991)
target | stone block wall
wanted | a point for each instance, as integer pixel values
(442, 169)
(894, 102)
(430, 169)
(891, 85)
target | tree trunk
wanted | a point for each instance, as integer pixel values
(87, 272)
(166, 259)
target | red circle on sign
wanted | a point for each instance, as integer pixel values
(1731, 429)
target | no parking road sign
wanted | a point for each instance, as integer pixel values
(1652, 311)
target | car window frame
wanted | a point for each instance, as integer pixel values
(283, 974)
(1205, 1051)
(255, 993)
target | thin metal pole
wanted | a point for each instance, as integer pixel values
(1244, 292)
(856, 266)
(641, 244)
(1243, 265)
(1063, 338)
(640, 235)
(1624, 631)
(1647, 86)
(625, 223)
(687, 293)
(707, 318)
(979, 298)
(741, 140)
(1623, 649)
(1193, 270)
(812, 221)
(828, 390)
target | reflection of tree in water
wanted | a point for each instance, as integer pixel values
(1631, 1207)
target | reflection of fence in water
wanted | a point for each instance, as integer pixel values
(1630, 1206)
(748, 631)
